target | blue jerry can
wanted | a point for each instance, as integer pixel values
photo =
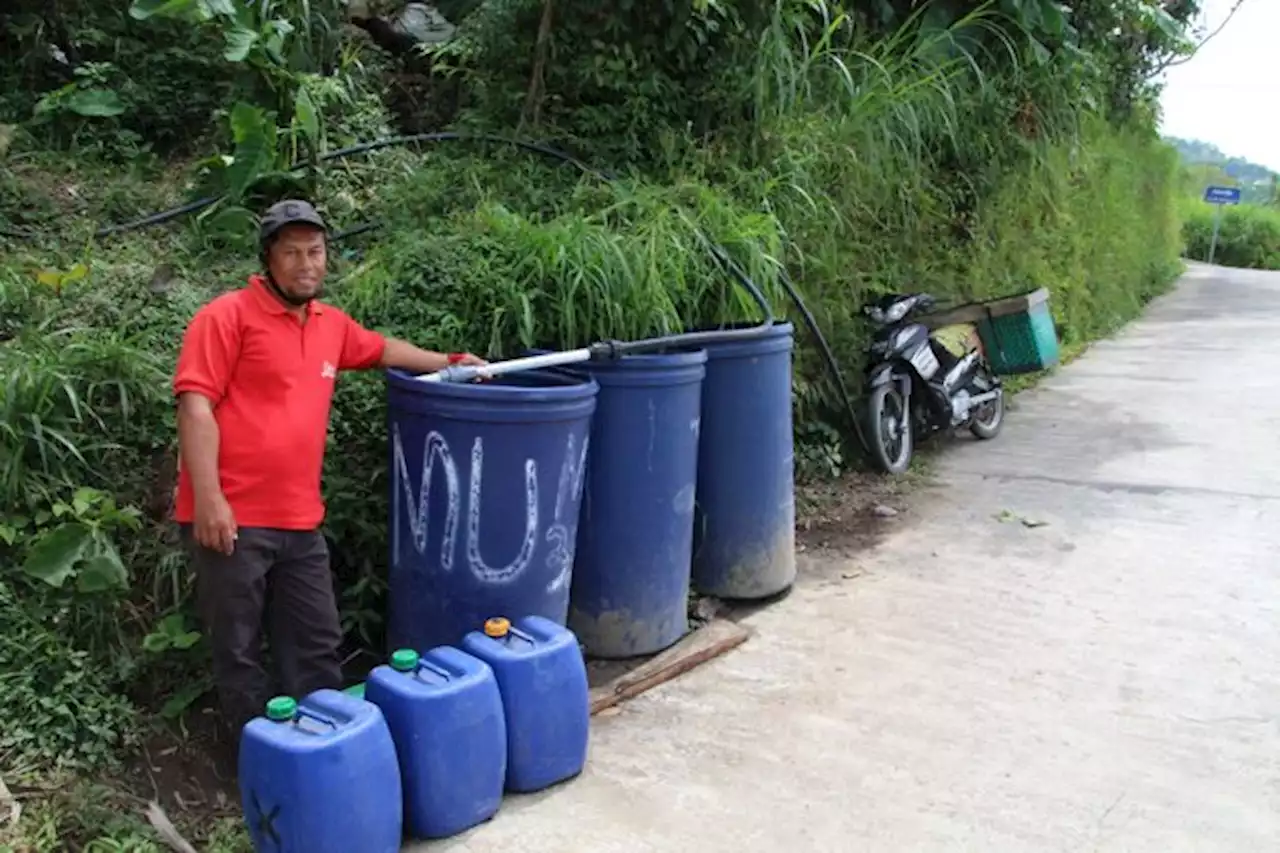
(320, 776)
(445, 715)
(543, 681)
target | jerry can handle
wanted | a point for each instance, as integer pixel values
(430, 667)
(319, 718)
(521, 635)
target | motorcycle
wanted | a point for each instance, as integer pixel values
(915, 386)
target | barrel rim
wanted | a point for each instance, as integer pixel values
(778, 328)
(778, 337)
(676, 360)
(566, 388)
(651, 361)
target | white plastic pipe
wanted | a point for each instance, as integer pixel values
(465, 373)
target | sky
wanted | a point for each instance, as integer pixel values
(1229, 93)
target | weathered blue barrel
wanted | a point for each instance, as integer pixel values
(630, 591)
(744, 525)
(486, 481)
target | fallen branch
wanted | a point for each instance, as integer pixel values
(708, 642)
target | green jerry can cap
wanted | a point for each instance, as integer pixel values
(281, 709)
(404, 660)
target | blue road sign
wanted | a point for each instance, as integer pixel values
(1222, 195)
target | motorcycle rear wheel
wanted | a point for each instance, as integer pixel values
(987, 421)
(889, 428)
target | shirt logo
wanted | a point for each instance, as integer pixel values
(328, 371)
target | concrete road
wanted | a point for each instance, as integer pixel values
(1107, 681)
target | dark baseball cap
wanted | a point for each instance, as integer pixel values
(288, 212)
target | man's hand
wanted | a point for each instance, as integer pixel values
(466, 359)
(215, 524)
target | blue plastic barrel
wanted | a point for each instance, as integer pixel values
(445, 715)
(630, 592)
(486, 481)
(543, 681)
(321, 776)
(744, 521)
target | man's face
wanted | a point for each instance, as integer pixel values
(297, 260)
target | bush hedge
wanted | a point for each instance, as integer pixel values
(1248, 236)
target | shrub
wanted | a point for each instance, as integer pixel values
(83, 411)
(61, 705)
(1248, 236)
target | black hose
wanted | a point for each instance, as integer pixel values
(827, 354)
(157, 218)
(611, 349)
(355, 230)
(340, 153)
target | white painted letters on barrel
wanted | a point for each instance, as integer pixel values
(562, 534)
(436, 456)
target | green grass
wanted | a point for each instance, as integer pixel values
(1249, 235)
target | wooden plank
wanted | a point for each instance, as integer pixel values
(710, 641)
(974, 312)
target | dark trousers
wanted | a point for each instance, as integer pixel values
(282, 575)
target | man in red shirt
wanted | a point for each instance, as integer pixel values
(254, 383)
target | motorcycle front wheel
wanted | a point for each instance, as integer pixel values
(889, 427)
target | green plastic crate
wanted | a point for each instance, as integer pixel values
(1023, 340)
(1017, 331)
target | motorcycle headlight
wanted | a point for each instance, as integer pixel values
(898, 311)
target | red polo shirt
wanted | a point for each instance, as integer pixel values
(270, 378)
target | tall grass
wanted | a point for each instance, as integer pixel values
(865, 166)
(947, 159)
(629, 260)
(70, 399)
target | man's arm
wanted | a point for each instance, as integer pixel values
(205, 364)
(363, 349)
(406, 356)
(198, 443)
